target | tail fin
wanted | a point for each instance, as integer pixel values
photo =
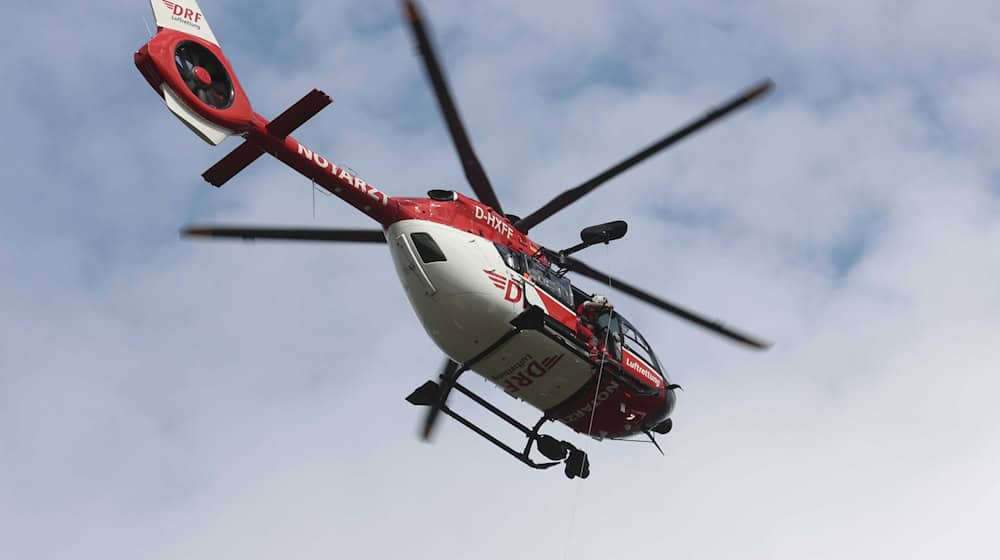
(183, 15)
(186, 66)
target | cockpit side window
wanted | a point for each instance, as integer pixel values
(513, 259)
(545, 278)
(609, 330)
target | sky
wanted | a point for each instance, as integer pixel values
(166, 399)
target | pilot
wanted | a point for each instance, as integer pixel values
(586, 322)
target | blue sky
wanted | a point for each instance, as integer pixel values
(165, 399)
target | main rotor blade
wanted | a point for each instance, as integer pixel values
(474, 171)
(715, 326)
(296, 234)
(446, 376)
(578, 192)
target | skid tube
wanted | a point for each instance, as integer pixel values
(436, 394)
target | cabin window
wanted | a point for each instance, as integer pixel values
(546, 279)
(513, 259)
(543, 276)
(427, 247)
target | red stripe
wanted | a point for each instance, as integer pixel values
(557, 310)
(499, 280)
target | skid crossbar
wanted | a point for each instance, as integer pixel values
(436, 394)
(531, 433)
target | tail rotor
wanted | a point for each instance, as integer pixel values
(185, 65)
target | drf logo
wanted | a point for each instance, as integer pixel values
(513, 292)
(526, 371)
(181, 11)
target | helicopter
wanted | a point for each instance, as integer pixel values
(492, 299)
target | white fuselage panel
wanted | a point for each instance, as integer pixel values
(466, 303)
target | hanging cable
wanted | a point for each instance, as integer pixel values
(600, 370)
(590, 427)
(600, 373)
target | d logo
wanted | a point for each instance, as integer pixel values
(514, 292)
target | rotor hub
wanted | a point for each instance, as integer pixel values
(202, 75)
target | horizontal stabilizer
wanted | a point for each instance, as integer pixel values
(294, 116)
(282, 125)
(236, 161)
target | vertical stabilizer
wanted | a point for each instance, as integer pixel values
(183, 15)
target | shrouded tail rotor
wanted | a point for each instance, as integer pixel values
(204, 74)
(186, 66)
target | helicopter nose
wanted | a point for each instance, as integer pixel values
(669, 400)
(661, 423)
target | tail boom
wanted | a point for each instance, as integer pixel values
(334, 178)
(186, 67)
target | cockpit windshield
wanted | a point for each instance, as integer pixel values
(551, 282)
(638, 345)
(623, 334)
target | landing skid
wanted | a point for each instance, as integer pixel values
(435, 394)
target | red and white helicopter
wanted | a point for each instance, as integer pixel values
(492, 299)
